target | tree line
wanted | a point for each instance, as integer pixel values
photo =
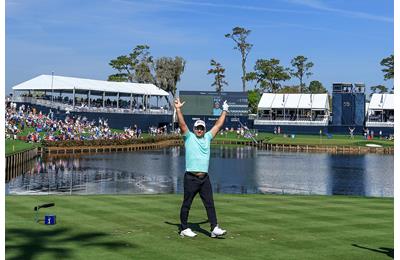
(141, 67)
(267, 74)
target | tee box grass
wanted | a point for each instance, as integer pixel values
(146, 227)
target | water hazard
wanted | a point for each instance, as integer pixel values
(232, 170)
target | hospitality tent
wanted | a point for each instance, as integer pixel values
(293, 109)
(303, 101)
(381, 102)
(70, 84)
(60, 84)
(279, 106)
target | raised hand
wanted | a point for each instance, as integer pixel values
(178, 103)
(225, 106)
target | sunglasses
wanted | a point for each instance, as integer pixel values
(199, 128)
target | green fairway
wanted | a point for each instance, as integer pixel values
(146, 226)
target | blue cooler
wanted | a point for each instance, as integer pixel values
(50, 219)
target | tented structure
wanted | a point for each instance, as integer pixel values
(381, 102)
(381, 110)
(51, 85)
(80, 85)
(293, 109)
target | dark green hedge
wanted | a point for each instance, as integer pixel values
(71, 143)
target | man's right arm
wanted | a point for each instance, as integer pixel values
(181, 121)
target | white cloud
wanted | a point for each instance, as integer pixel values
(318, 5)
(242, 7)
(313, 4)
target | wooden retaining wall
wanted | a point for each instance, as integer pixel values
(330, 149)
(109, 148)
(19, 162)
(260, 145)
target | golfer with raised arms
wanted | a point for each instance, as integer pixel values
(197, 180)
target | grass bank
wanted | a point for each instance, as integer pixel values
(15, 146)
(334, 140)
(145, 227)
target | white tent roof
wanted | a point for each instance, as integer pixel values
(279, 101)
(381, 101)
(320, 101)
(49, 82)
(266, 101)
(294, 101)
(305, 101)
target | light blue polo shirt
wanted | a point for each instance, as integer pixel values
(197, 151)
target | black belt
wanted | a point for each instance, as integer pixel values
(201, 176)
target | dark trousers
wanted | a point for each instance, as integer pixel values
(191, 186)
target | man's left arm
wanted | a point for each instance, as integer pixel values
(221, 120)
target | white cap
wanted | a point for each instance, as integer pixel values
(200, 122)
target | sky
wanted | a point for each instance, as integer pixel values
(345, 39)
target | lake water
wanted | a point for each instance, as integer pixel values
(232, 170)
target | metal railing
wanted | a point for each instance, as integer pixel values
(262, 121)
(379, 124)
(379, 118)
(319, 120)
(71, 108)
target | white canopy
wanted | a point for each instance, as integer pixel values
(381, 102)
(320, 101)
(294, 101)
(266, 101)
(279, 100)
(58, 83)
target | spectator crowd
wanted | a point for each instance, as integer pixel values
(45, 127)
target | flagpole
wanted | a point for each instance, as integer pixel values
(52, 92)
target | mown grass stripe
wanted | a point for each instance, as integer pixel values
(145, 227)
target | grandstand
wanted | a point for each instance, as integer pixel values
(121, 103)
(380, 111)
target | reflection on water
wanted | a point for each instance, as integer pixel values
(348, 175)
(232, 170)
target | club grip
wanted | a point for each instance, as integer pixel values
(47, 205)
